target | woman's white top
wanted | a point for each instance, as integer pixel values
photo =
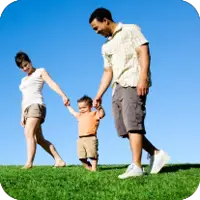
(31, 88)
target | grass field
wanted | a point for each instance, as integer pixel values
(175, 182)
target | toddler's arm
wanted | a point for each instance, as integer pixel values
(72, 111)
(100, 112)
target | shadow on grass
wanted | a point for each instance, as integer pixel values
(115, 167)
(166, 169)
(179, 167)
(112, 167)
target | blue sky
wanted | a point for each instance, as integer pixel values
(57, 36)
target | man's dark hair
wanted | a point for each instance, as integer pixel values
(21, 57)
(100, 14)
(85, 99)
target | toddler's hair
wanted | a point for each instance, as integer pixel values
(85, 99)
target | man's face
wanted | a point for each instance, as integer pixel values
(101, 28)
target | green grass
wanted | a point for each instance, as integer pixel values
(175, 182)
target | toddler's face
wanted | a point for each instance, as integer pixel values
(84, 107)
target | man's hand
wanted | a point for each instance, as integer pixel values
(22, 123)
(66, 101)
(97, 102)
(105, 82)
(143, 86)
(144, 60)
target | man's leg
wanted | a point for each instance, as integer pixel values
(136, 141)
(139, 142)
(149, 147)
(117, 114)
(158, 158)
(134, 112)
(133, 169)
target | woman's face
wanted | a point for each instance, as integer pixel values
(26, 67)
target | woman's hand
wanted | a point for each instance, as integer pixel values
(66, 101)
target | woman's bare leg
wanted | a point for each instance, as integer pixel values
(49, 147)
(31, 126)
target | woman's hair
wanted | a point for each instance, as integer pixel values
(21, 57)
(85, 99)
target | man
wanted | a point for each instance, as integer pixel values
(127, 65)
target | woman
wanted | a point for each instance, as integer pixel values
(34, 110)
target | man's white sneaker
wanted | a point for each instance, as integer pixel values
(158, 161)
(132, 170)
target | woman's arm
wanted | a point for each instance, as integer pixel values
(54, 86)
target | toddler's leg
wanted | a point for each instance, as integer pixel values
(86, 164)
(94, 164)
(92, 151)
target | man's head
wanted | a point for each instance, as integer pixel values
(23, 62)
(84, 104)
(101, 22)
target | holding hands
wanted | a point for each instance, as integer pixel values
(97, 102)
(66, 101)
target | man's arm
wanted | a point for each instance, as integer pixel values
(72, 111)
(144, 60)
(105, 82)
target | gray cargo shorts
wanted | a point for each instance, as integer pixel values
(128, 110)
